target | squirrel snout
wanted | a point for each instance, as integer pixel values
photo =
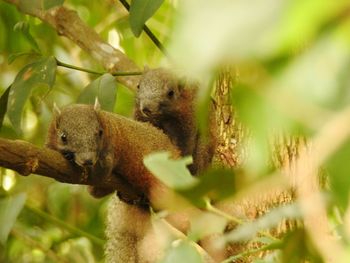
(86, 159)
(88, 162)
(146, 111)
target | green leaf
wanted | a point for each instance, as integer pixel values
(297, 247)
(103, 88)
(47, 4)
(29, 6)
(182, 251)
(272, 219)
(32, 75)
(3, 104)
(23, 27)
(215, 183)
(35, 5)
(3, 34)
(140, 12)
(262, 116)
(10, 207)
(173, 173)
(338, 168)
(14, 56)
(200, 227)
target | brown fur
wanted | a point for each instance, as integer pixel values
(175, 115)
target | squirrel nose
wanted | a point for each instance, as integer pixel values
(88, 162)
(146, 111)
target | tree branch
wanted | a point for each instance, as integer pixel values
(26, 158)
(67, 23)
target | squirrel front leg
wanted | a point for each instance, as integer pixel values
(103, 169)
(125, 190)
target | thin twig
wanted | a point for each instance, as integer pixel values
(252, 251)
(148, 31)
(62, 64)
(231, 218)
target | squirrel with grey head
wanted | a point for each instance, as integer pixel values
(169, 104)
(106, 144)
(103, 143)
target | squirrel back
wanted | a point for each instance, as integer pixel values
(169, 104)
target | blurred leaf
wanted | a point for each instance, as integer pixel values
(261, 116)
(173, 173)
(3, 104)
(140, 12)
(47, 4)
(182, 251)
(32, 75)
(77, 250)
(10, 207)
(126, 101)
(13, 57)
(103, 88)
(30, 6)
(3, 34)
(297, 247)
(301, 24)
(260, 113)
(215, 183)
(59, 197)
(338, 168)
(209, 32)
(23, 27)
(315, 76)
(206, 224)
(269, 220)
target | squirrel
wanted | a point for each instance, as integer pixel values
(169, 104)
(104, 143)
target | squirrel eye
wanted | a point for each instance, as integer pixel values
(100, 132)
(170, 94)
(138, 86)
(64, 137)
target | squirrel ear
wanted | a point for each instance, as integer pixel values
(56, 110)
(56, 113)
(97, 105)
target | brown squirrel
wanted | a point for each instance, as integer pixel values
(106, 144)
(169, 104)
(103, 143)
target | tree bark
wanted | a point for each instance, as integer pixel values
(26, 158)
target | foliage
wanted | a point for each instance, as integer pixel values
(292, 60)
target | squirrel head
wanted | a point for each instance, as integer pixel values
(79, 134)
(158, 92)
